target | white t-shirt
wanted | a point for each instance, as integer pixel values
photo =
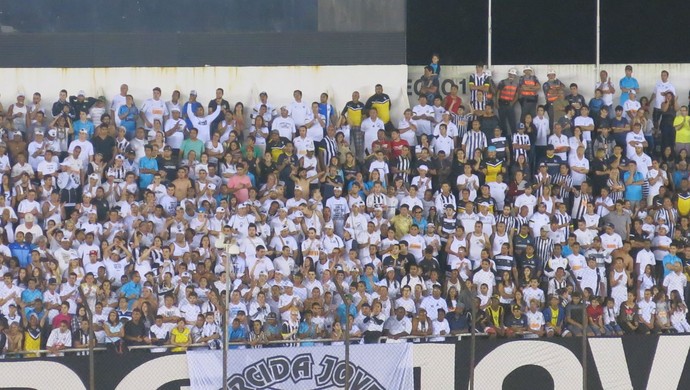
(154, 109)
(659, 90)
(423, 125)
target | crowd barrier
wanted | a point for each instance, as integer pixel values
(651, 362)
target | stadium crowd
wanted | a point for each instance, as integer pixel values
(569, 218)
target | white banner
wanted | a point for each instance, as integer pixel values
(372, 367)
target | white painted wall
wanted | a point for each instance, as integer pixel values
(240, 83)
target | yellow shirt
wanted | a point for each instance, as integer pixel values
(682, 135)
(179, 337)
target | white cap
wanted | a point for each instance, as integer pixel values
(81, 93)
(512, 71)
(211, 186)
(288, 283)
(423, 167)
(29, 218)
(52, 132)
(526, 68)
(337, 188)
(193, 92)
(551, 71)
(632, 91)
(329, 225)
(220, 210)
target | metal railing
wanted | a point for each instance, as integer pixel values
(354, 340)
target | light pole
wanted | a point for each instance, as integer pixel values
(232, 251)
(598, 59)
(488, 45)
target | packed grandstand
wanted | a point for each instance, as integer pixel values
(125, 221)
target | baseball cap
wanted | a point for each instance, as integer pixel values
(52, 132)
(186, 275)
(512, 71)
(93, 253)
(390, 269)
(423, 167)
(271, 315)
(287, 284)
(551, 71)
(52, 281)
(29, 218)
(632, 91)
(175, 109)
(517, 307)
(329, 225)
(220, 209)
(337, 188)
(526, 68)
(81, 93)
(192, 92)
(491, 149)
(83, 131)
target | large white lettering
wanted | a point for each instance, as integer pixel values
(38, 375)
(669, 360)
(609, 358)
(559, 361)
(155, 373)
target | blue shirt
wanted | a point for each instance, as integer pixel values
(668, 259)
(130, 121)
(88, 126)
(236, 335)
(28, 296)
(327, 111)
(146, 178)
(22, 252)
(628, 82)
(128, 289)
(341, 312)
(633, 192)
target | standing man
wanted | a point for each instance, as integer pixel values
(507, 96)
(627, 83)
(370, 128)
(327, 110)
(152, 109)
(213, 106)
(529, 93)
(552, 87)
(479, 81)
(658, 96)
(299, 110)
(607, 91)
(382, 103)
(117, 102)
(352, 115)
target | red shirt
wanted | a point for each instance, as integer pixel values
(452, 103)
(595, 313)
(397, 146)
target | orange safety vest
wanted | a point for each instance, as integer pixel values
(552, 92)
(508, 92)
(531, 82)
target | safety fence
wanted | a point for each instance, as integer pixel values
(636, 361)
